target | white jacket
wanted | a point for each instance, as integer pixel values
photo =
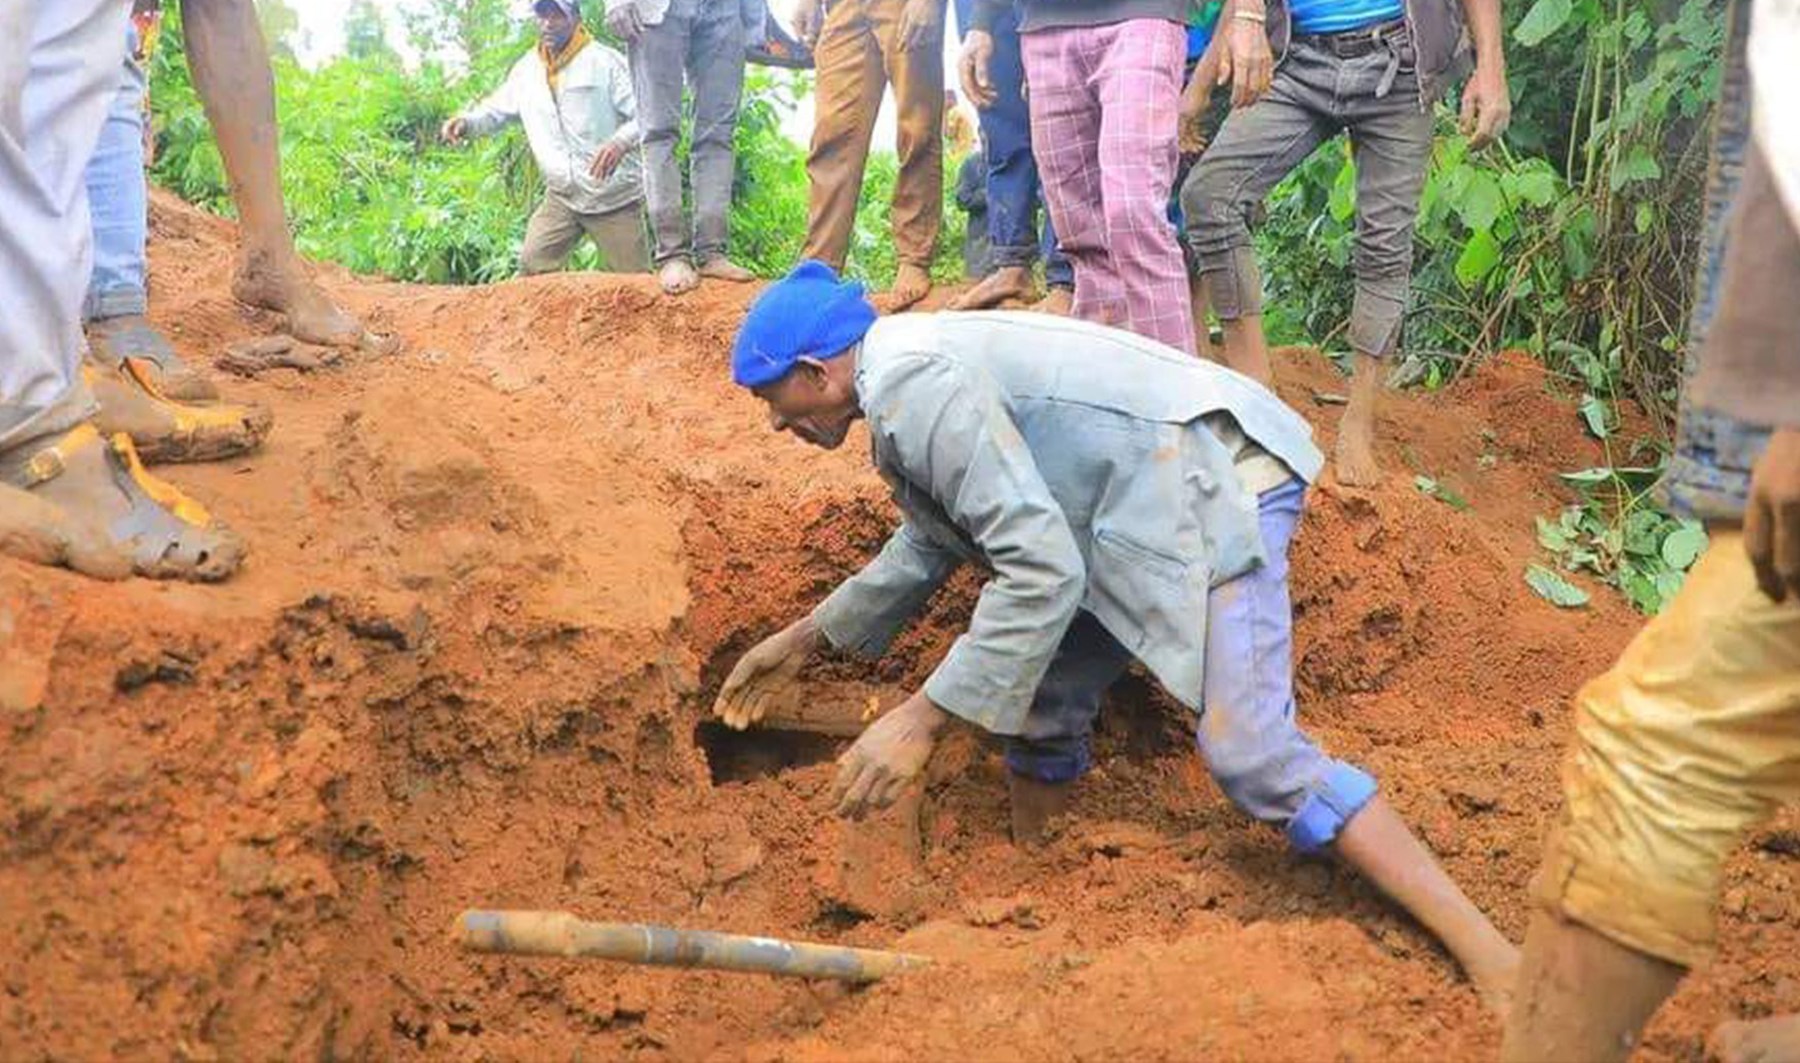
(1775, 99)
(592, 105)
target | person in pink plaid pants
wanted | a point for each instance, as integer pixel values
(1105, 91)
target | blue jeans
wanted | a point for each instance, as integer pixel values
(119, 200)
(1013, 192)
(1247, 732)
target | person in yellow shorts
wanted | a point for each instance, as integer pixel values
(1693, 737)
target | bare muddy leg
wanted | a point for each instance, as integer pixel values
(1245, 348)
(1355, 456)
(230, 65)
(1581, 995)
(1377, 843)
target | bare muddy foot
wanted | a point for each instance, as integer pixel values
(311, 315)
(1059, 301)
(1354, 459)
(911, 284)
(678, 277)
(720, 268)
(1775, 1040)
(1007, 282)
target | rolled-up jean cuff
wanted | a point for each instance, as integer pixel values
(114, 302)
(1343, 793)
(1377, 313)
(1047, 766)
(1233, 282)
(1007, 257)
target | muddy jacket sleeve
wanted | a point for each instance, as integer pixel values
(865, 613)
(949, 435)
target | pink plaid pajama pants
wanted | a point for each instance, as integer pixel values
(1105, 104)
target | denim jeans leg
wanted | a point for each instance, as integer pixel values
(658, 59)
(1055, 744)
(1059, 272)
(1248, 733)
(715, 65)
(118, 200)
(1012, 183)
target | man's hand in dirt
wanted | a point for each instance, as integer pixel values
(809, 19)
(1486, 106)
(765, 673)
(607, 159)
(1245, 63)
(873, 773)
(975, 64)
(454, 130)
(1772, 519)
(919, 21)
(626, 22)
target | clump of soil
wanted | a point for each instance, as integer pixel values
(496, 580)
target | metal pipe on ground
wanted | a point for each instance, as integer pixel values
(538, 933)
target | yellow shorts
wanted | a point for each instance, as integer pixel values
(1692, 738)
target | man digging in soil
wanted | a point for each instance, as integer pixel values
(1693, 737)
(1129, 501)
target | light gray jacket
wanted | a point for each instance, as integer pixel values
(1068, 458)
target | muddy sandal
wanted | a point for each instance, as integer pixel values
(165, 430)
(166, 534)
(116, 341)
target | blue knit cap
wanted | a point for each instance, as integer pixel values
(809, 313)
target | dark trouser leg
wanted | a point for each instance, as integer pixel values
(715, 65)
(1012, 177)
(658, 57)
(550, 235)
(1054, 746)
(619, 234)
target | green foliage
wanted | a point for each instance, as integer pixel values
(1619, 535)
(368, 185)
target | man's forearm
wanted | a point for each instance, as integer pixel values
(1487, 32)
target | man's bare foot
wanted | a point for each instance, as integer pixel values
(94, 502)
(44, 533)
(311, 315)
(1057, 300)
(1354, 459)
(678, 277)
(1774, 1040)
(1034, 805)
(1007, 282)
(911, 283)
(720, 268)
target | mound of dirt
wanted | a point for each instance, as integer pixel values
(497, 578)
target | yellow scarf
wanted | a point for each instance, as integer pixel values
(553, 64)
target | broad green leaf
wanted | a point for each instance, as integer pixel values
(1544, 18)
(1645, 218)
(1554, 588)
(1594, 412)
(1637, 165)
(1683, 545)
(1552, 537)
(1536, 187)
(1478, 259)
(1343, 192)
(1481, 202)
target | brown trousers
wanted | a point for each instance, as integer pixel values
(858, 57)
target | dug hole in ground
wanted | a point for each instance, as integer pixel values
(496, 580)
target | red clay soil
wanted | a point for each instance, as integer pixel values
(497, 578)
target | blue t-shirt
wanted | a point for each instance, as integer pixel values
(1337, 16)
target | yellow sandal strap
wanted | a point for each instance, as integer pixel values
(49, 463)
(166, 494)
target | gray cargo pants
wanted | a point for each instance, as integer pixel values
(703, 40)
(1317, 93)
